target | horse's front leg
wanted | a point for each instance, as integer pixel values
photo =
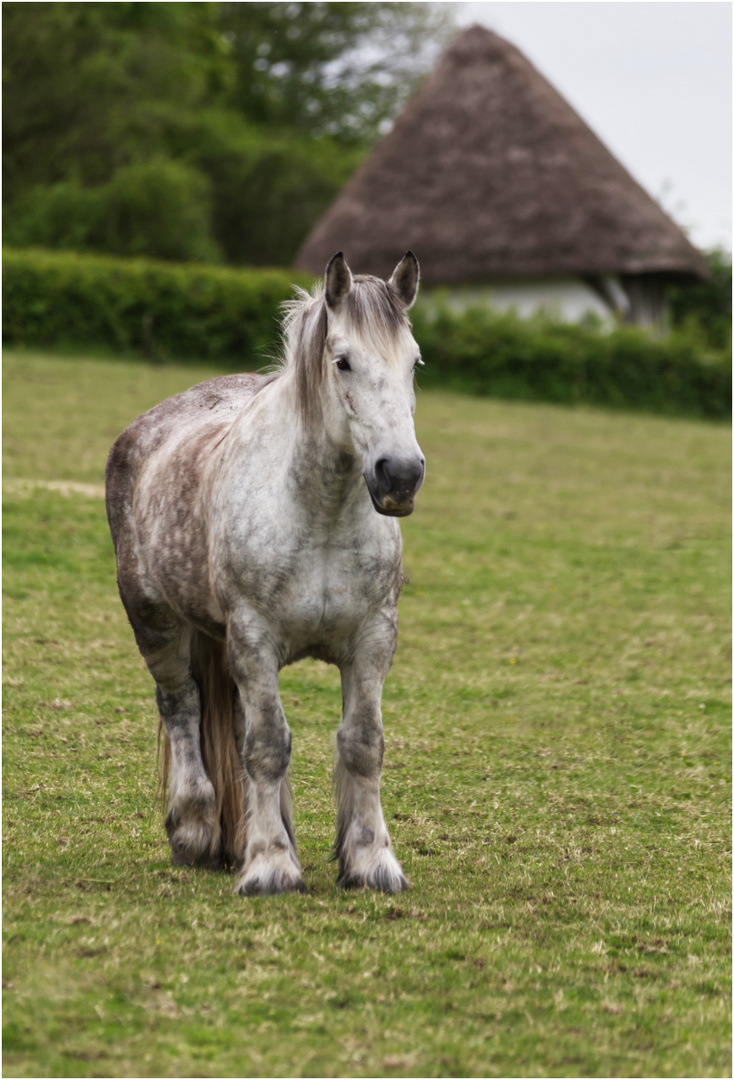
(363, 845)
(264, 740)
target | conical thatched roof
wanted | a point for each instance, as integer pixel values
(489, 174)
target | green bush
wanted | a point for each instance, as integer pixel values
(63, 215)
(230, 193)
(162, 309)
(704, 309)
(485, 352)
(54, 298)
(267, 188)
(160, 209)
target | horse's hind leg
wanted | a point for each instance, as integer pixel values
(192, 821)
(363, 845)
(164, 640)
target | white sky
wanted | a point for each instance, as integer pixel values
(652, 80)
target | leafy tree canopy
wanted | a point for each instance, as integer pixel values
(83, 84)
(341, 69)
(246, 118)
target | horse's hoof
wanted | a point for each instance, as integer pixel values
(272, 887)
(378, 870)
(270, 875)
(379, 882)
(205, 860)
(195, 840)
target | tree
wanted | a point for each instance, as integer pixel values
(341, 69)
(241, 120)
(88, 87)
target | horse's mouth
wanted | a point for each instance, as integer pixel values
(389, 508)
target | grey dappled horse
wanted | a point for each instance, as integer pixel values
(253, 519)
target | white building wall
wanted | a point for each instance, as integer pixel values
(567, 299)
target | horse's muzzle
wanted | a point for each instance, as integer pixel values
(393, 484)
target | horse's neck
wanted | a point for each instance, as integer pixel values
(321, 477)
(325, 478)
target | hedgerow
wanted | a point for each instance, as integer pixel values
(54, 299)
(153, 308)
(484, 352)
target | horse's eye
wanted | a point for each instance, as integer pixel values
(343, 364)
(418, 363)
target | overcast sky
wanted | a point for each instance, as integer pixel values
(652, 80)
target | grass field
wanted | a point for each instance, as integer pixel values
(556, 779)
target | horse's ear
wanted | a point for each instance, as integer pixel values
(405, 279)
(338, 281)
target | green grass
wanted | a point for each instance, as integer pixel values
(556, 778)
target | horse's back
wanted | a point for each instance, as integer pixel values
(218, 399)
(211, 404)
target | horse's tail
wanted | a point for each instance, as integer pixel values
(219, 754)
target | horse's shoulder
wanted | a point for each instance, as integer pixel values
(207, 403)
(224, 392)
(202, 409)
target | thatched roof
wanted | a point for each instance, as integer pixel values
(489, 174)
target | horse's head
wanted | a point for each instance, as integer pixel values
(370, 358)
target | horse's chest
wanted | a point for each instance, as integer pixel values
(335, 589)
(317, 595)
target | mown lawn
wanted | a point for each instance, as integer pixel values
(557, 772)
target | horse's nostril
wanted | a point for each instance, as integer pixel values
(382, 475)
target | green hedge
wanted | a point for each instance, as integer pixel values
(163, 309)
(156, 309)
(484, 352)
